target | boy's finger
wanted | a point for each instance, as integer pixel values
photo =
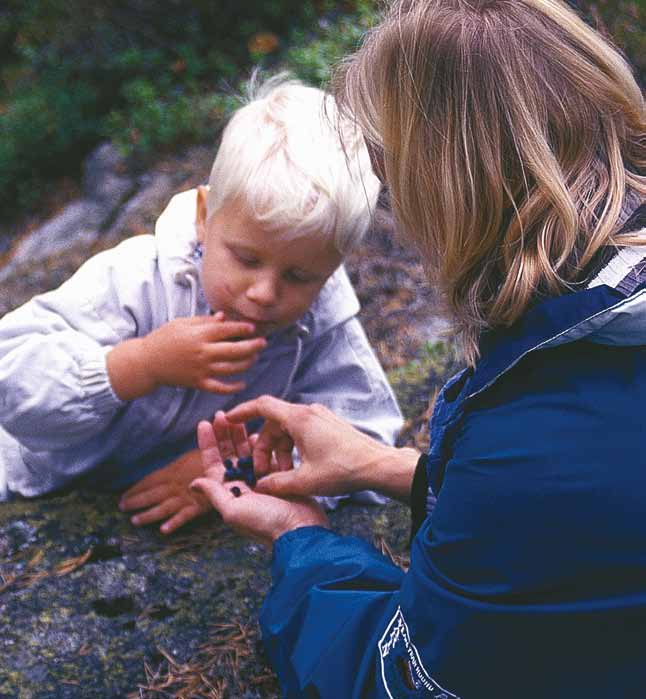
(231, 368)
(208, 445)
(154, 514)
(242, 349)
(186, 514)
(225, 329)
(215, 386)
(145, 498)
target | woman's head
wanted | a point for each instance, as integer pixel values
(510, 132)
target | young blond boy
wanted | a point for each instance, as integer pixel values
(240, 292)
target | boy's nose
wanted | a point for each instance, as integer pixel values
(263, 291)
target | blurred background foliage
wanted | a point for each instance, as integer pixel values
(151, 75)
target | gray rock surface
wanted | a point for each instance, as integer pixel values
(93, 608)
(81, 222)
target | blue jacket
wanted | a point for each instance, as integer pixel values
(528, 574)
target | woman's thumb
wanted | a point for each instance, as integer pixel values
(281, 484)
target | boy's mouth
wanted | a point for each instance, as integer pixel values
(263, 327)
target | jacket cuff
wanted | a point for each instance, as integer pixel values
(287, 545)
(95, 383)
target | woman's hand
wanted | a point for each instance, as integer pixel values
(190, 352)
(261, 517)
(335, 457)
(165, 495)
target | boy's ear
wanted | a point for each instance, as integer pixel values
(200, 214)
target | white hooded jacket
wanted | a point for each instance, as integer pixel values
(59, 416)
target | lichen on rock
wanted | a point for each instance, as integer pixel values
(94, 608)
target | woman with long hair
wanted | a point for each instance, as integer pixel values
(512, 139)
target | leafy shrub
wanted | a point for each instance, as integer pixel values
(145, 74)
(150, 75)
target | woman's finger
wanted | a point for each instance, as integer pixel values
(284, 484)
(268, 407)
(240, 441)
(273, 449)
(207, 442)
(223, 435)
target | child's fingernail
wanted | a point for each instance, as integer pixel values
(135, 520)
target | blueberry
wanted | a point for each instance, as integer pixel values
(246, 463)
(228, 464)
(233, 474)
(236, 491)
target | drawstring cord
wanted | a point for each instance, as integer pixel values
(187, 277)
(301, 333)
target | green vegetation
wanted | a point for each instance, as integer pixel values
(424, 376)
(150, 76)
(147, 79)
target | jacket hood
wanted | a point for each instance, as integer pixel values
(180, 263)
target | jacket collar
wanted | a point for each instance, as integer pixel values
(611, 310)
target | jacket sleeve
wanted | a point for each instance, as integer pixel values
(342, 372)
(321, 622)
(54, 387)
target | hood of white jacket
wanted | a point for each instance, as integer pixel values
(176, 238)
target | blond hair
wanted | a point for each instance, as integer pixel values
(511, 133)
(281, 154)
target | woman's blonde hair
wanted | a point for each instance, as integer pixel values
(281, 154)
(511, 133)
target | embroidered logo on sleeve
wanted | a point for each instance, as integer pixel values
(396, 650)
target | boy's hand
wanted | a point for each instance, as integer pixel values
(164, 494)
(196, 352)
(190, 352)
(261, 517)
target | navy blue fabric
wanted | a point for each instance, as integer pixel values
(528, 579)
(543, 322)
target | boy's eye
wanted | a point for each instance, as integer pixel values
(298, 277)
(245, 259)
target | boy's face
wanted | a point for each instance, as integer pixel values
(251, 273)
